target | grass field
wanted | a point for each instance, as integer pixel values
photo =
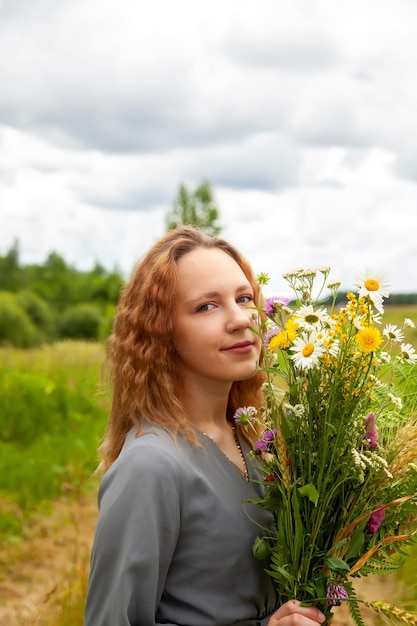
(52, 419)
(52, 415)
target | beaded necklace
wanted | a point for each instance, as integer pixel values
(244, 472)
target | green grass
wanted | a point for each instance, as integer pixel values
(408, 576)
(397, 314)
(52, 418)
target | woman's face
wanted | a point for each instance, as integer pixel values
(212, 317)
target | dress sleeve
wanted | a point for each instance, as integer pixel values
(136, 535)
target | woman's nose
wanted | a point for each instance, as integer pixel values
(239, 318)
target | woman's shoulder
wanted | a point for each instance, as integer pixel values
(153, 448)
(154, 437)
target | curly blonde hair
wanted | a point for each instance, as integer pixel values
(144, 367)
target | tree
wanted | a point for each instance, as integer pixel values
(11, 277)
(196, 208)
(16, 327)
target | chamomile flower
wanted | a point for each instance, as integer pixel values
(408, 352)
(331, 344)
(309, 318)
(384, 357)
(307, 351)
(409, 323)
(357, 322)
(374, 380)
(374, 285)
(393, 333)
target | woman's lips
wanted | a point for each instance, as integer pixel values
(240, 348)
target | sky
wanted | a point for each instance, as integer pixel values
(302, 115)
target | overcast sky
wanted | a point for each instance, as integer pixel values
(302, 114)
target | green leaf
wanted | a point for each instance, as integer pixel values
(333, 562)
(310, 492)
(337, 546)
(298, 529)
(283, 572)
(356, 544)
(260, 548)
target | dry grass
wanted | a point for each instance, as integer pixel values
(44, 577)
(387, 588)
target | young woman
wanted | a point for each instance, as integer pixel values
(174, 537)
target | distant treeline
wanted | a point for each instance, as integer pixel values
(395, 299)
(44, 303)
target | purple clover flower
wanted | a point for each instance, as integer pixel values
(336, 593)
(263, 444)
(268, 336)
(272, 305)
(376, 519)
(245, 415)
(371, 432)
(369, 420)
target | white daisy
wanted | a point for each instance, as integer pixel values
(374, 285)
(409, 323)
(408, 352)
(309, 318)
(357, 322)
(393, 333)
(330, 343)
(376, 318)
(307, 351)
(375, 381)
(384, 357)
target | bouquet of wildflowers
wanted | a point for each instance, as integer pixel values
(338, 441)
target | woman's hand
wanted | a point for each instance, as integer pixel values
(293, 614)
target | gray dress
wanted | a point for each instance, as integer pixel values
(173, 542)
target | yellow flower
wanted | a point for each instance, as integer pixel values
(292, 327)
(279, 341)
(369, 339)
(285, 337)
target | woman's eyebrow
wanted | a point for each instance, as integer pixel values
(203, 296)
(215, 294)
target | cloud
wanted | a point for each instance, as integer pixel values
(265, 161)
(299, 53)
(300, 114)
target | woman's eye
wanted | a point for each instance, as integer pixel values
(207, 306)
(245, 299)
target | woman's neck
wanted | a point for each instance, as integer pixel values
(207, 411)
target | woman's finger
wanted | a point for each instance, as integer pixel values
(293, 607)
